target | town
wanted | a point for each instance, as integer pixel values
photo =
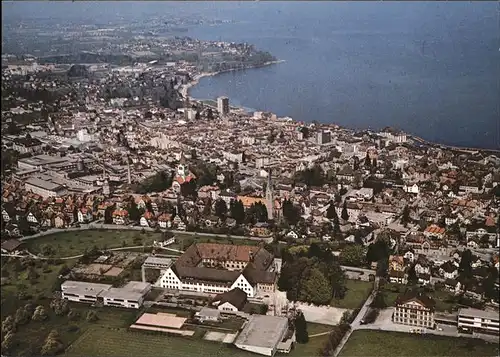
(142, 218)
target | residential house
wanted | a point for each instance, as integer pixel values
(208, 314)
(398, 277)
(165, 220)
(448, 270)
(260, 229)
(396, 263)
(231, 301)
(11, 246)
(147, 219)
(84, 215)
(452, 285)
(292, 234)
(120, 217)
(434, 231)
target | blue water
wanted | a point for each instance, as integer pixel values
(429, 68)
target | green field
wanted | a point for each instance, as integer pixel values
(357, 292)
(381, 343)
(105, 342)
(67, 244)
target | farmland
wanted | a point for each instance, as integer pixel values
(116, 342)
(379, 343)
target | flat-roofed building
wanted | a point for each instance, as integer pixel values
(476, 320)
(81, 291)
(44, 188)
(130, 296)
(262, 334)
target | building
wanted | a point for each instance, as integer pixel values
(44, 188)
(323, 137)
(130, 296)
(27, 145)
(231, 301)
(208, 314)
(223, 105)
(217, 268)
(474, 320)
(262, 334)
(415, 310)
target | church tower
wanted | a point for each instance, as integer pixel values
(269, 197)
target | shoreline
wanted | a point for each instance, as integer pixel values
(184, 90)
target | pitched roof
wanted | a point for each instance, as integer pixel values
(235, 297)
(416, 296)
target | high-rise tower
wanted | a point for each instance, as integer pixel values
(269, 196)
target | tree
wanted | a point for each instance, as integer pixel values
(337, 279)
(40, 314)
(465, 266)
(220, 208)
(367, 160)
(108, 215)
(237, 211)
(301, 334)
(91, 316)
(378, 251)
(412, 275)
(315, 288)
(8, 324)
(60, 306)
(346, 317)
(22, 317)
(133, 211)
(8, 341)
(291, 213)
(405, 218)
(331, 213)
(353, 255)
(52, 345)
(379, 301)
(345, 214)
(489, 284)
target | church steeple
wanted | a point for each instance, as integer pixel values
(269, 197)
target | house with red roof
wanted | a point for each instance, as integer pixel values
(148, 219)
(120, 216)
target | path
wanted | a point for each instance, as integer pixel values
(356, 322)
(81, 255)
(320, 334)
(89, 226)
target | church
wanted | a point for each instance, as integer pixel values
(182, 175)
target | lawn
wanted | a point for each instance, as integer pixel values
(314, 328)
(68, 244)
(382, 343)
(357, 292)
(124, 343)
(309, 349)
